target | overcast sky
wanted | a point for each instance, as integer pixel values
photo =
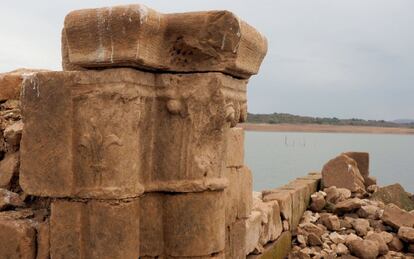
(342, 58)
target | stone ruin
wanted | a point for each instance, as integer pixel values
(133, 151)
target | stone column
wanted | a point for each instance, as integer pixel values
(131, 138)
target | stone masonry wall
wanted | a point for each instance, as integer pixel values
(132, 150)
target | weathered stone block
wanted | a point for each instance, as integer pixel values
(342, 172)
(300, 199)
(238, 195)
(43, 240)
(395, 194)
(194, 223)
(94, 229)
(17, 239)
(284, 198)
(253, 232)
(278, 249)
(83, 154)
(235, 147)
(151, 225)
(362, 159)
(271, 221)
(235, 240)
(81, 134)
(137, 36)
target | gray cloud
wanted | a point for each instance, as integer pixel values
(326, 57)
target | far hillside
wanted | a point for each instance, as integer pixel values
(279, 118)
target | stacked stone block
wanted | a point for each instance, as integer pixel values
(276, 214)
(135, 142)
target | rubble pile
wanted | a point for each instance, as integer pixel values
(350, 219)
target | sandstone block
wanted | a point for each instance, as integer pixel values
(87, 124)
(348, 205)
(94, 229)
(82, 158)
(17, 239)
(284, 198)
(235, 147)
(9, 167)
(271, 221)
(300, 193)
(151, 226)
(396, 217)
(235, 240)
(362, 160)
(382, 245)
(253, 232)
(342, 172)
(194, 224)
(239, 198)
(137, 36)
(396, 194)
(278, 249)
(43, 240)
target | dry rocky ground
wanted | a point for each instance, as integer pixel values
(359, 221)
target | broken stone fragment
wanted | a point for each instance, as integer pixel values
(406, 234)
(396, 194)
(361, 226)
(317, 202)
(9, 167)
(342, 172)
(396, 217)
(396, 244)
(331, 222)
(13, 135)
(335, 195)
(137, 36)
(382, 245)
(365, 249)
(349, 205)
(9, 199)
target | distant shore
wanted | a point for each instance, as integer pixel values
(324, 128)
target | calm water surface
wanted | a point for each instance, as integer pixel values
(278, 157)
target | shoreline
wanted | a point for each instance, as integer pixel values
(318, 128)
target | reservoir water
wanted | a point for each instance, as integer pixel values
(275, 158)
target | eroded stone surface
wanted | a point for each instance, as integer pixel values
(17, 239)
(137, 36)
(342, 172)
(94, 229)
(82, 159)
(395, 194)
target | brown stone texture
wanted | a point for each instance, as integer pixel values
(395, 194)
(396, 217)
(235, 239)
(94, 229)
(362, 160)
(9, 167)
(194, 224)
(406, 234)
(137, 36)
(10, 83)
(278, 249)
(235, 147)
(82, 159)
(342, 172)
(17, 239)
